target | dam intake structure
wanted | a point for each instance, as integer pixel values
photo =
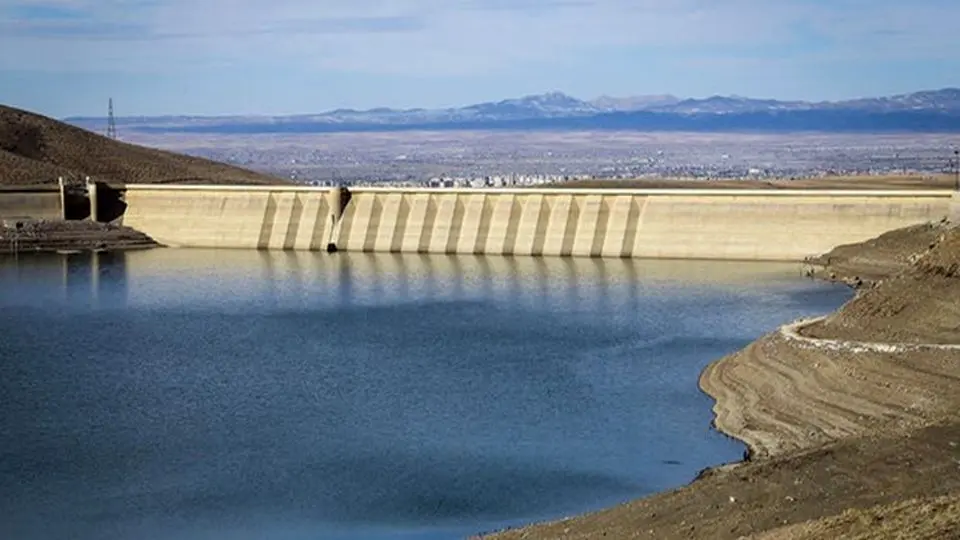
(738, 224)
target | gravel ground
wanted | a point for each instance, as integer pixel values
(28, 235)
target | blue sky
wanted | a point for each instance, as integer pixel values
(66, 57)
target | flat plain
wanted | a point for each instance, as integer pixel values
(552, 155)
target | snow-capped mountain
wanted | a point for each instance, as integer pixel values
(931, 109)
(633, 103)
(549, 105)
(947, 99)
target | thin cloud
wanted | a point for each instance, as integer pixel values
(92, 30)
(459, 37)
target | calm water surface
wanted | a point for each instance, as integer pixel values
(192, 394)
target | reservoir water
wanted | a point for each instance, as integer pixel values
(195, 394)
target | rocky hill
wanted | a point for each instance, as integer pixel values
(35, 149)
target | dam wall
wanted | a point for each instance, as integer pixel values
(658, 223)
(31, 202)
(231, 216)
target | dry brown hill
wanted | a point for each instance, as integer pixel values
(35, 149)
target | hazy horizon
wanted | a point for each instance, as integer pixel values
(120, 114)
(214, 57)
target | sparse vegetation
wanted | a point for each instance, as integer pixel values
(37, 150)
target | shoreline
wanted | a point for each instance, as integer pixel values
(797, 401)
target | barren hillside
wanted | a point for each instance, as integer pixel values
(886, 255)
(35, 149)
(921, 304)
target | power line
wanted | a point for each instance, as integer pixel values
(111, 122)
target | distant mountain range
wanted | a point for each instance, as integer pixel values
(931, 110)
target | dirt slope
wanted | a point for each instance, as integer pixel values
(35, 149)
(883, 256)
(919, 305)
(918, 519)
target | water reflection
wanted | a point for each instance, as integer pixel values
(307, 395)
(102, 279)
(81, 278)
(289, 263)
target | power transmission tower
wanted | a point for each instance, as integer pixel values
(111, 122)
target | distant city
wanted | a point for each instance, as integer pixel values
(552, 137)
(499, 158)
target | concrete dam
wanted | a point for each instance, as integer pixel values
(775, 224)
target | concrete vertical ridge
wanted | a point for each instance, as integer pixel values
(403, 212)
(621, 223)
(560, 208)
(513, 227)
(503, 210)
(473, 213)
(443, 223)
(486, 221)
(356, 223)
(312, 226)
(456, 224)
(266, 222)
(429, 222)
(542, 221)
(600, 233)
(390, 224)
(586, 232)
(529, 233)
(293, 224)
(419, 224)
(280, 226)
(373, 224)
(638, 242)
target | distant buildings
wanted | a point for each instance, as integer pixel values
(495, 159)
(499, 181)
